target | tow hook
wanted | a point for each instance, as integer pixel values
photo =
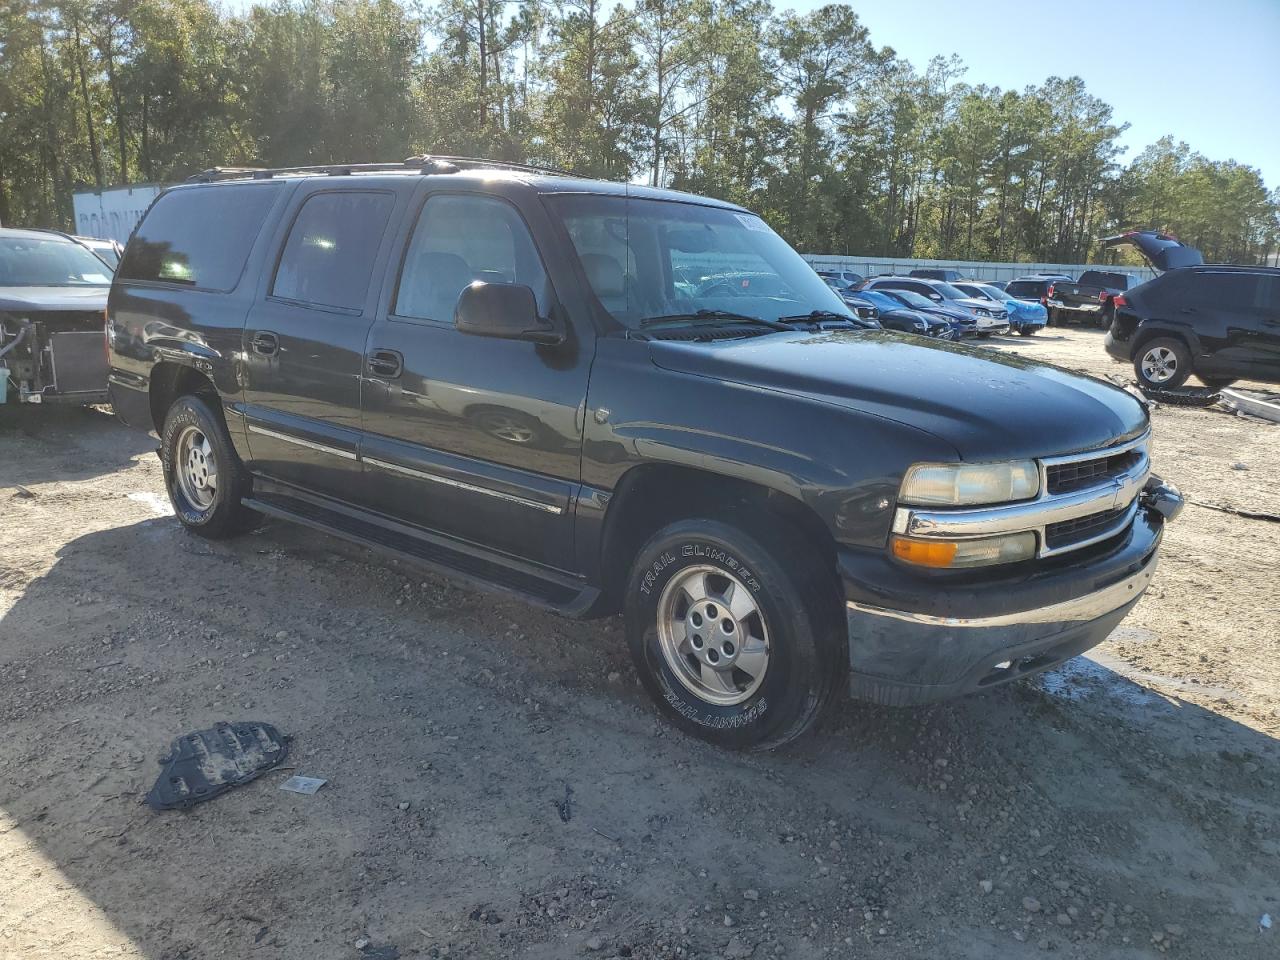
(1164, 498)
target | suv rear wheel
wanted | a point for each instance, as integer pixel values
(1162, 363)
(736, 635)
(202, 473)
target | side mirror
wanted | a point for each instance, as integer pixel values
(935, 297)
(508, 311)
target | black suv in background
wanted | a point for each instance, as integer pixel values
(607, 398)
(1221, 323)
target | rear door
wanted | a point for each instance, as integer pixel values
(1224, 310)
(475, 438)
(305, 336)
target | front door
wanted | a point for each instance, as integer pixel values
(304, 341)
(472, 437)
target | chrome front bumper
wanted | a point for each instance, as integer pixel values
(901, 656)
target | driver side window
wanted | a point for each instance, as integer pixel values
(459, 239)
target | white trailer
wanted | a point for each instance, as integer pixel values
(111, 214)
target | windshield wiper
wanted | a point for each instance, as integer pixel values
(713, 315)
(819, 315)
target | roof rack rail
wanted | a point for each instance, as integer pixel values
(424, 164)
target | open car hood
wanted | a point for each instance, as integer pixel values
(1160, 250)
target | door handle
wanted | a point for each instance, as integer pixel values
(265, 343)
(386, 363)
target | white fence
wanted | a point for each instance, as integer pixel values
(973, 269)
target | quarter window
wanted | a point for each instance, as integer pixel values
(460, 239)
(198, 236)
(329, 255)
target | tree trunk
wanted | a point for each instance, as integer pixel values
(115, 95)
(88, 109)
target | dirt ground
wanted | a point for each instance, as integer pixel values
(1123, 806)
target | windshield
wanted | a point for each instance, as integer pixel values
(31, 262)
(662, 258)
(947, 290)
(912, 299)
(993, 293)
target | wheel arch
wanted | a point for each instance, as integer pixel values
(653, 495)
(169, 381)
(1148, 331)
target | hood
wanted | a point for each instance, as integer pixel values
(906, 313)
(1160, 250)
(950, 313)
(987, 405)
(40, 299)
(979, 303)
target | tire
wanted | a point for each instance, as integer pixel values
(684, 580)
(1162, 364)
(1026, 330)
(202, 473)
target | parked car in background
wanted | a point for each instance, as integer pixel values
(860, 305)
(1034, 287)
(962, 321)
(893, 314)
(1220, 323)
(53, 298)
(847, 277)
(780, 504)
(108, 251)
(1089, 299)
(988, 317)
(1025, 316)
(935, 273)
(998, 284)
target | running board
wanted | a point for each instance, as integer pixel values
(561, 593)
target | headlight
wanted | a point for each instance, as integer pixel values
(970, 484)
(983, 312)
(952, 554)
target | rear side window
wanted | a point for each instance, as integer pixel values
(328, 258)
(1230, 291)
(199, 237)
(1024, 288)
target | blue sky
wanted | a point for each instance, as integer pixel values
(1206, 73)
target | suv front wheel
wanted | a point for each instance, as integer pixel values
(1162, 364)
(736, 635)
(202, 473)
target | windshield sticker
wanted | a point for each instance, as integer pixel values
(752, 222)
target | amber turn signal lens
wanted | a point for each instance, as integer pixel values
(925, 553)
(980, 552)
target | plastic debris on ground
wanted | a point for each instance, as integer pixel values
(305, 785)
(208, 763)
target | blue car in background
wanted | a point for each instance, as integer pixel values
(959, 320)
(1025, 316)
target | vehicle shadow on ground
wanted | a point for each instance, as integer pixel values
(89, 442)
(452, 726)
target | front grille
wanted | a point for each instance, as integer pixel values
(1068, 477)
(1067, 532)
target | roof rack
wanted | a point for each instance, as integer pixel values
(424, 164)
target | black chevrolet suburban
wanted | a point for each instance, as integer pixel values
(605, 399)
